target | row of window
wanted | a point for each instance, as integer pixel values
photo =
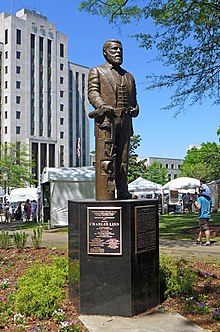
(18, 85)
(172, 166)
(18, 36)
(18, 99)
(18, 131)
(18, 115)
(18, 69)
(18, 54)
(18, 41)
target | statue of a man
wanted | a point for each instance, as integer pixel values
(112, 92)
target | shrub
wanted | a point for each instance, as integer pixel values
(20, 240)
(40, 290)
(37, 237)
(176, 277)
(5, 240)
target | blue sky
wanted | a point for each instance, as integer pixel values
(162, 134)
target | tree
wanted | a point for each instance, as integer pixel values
(135, 168)
(186, 38)
(157, 173)
(202, 162)
(15, 162)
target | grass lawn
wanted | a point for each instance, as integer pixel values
(173, 226)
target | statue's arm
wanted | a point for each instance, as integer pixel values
(134, 109)
(94, 89)
(95, 96)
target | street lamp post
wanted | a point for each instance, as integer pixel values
(5, 178)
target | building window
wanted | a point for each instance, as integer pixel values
(6, 130)
(18, 99)
(61, 66)
(175, 176)
(6, 99)
(61, 134)
(167, 166)
(61, 50)
(61, 156)
(61, 93)
(18, 130)
(6, 69)
(172, 166)
(6, 36)
(61, 107)
(61, 80)
(6, 114)
(18, 84)
(61, 121)
(18, 69)
(18, 115)
(6, 84)
(6, 54)
(169, 177)
(18, 37)
(18, 55)
(179, 166)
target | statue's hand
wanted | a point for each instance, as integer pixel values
(134, 111)
(105, 109)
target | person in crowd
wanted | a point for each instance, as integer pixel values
(18, 212)
(186, 199)
(203, 205)
(34, 210)
(27, 209)
(8, 212)
(204, 188)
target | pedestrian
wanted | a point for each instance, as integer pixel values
(18, 212)
(8, 213)
(203, 205)
(34, 210)
(186, 200)
(27, 209)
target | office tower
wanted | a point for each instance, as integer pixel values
(43, 96)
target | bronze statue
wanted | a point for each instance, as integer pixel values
(112, 93)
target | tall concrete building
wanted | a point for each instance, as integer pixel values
(43, 96)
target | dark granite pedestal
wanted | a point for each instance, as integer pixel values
(117, 243)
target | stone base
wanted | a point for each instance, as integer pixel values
(117, 243)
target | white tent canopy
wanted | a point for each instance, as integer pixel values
(66, 184)
(181, 183)
(141, 184)
(22, 194)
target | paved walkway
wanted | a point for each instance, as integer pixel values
(154, 321)
(178, 248)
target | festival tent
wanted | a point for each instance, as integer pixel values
(22, 194)
(144, 188)
(181, 183)
(141, 184)
(61, 184)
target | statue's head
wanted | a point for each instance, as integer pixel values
(113, 52)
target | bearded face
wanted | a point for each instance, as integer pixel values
(114, 54)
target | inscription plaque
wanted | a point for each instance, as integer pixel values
(145, 228)
(104, 231)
